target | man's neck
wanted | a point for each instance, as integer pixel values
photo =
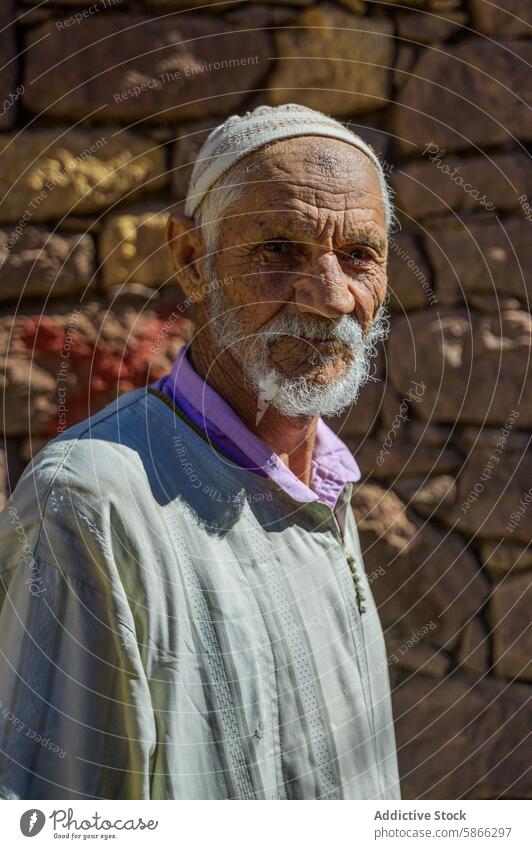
(292, 439)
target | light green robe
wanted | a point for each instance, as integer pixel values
(177, 627)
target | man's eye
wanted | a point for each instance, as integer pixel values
(358, 254)
(276, 246)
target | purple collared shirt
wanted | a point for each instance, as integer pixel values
(332, 465)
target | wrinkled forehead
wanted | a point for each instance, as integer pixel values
(308, 174)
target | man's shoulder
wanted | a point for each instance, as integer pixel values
(103, 460)
(93, 445)
(125, 452)
(73, 490)
(116, 417)
(120, 465)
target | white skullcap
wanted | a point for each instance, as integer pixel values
(239, 135)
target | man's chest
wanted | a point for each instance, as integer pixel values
(253, 634)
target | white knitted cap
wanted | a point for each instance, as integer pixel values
(239, 135)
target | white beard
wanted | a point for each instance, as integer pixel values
(296, 396)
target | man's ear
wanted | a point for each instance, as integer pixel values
(185, 241)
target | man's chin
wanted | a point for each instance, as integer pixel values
(323, 391)
(319, 369)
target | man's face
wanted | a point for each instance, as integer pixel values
(304, 249)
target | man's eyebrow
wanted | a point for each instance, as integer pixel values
(372, 240)
(284, 227)
(367, 233)
(294, 228)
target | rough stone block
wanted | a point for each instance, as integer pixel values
(502, 558)
(493, 496)
(162, 69)
(485, 256)
(334, 61)
(513, 17)
(462, 739)
(473, 366)
(58, 368)
(471, 95)
(10, 92)
(474, 650)
(430, 580)
(409, 277)
(509, 617)
(437, 185)
(48, 174)
(45, 264)
(133, 249)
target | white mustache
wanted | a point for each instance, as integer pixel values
(346, 330)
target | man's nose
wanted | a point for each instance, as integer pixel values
(323, 288)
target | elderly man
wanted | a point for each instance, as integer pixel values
(186, 614)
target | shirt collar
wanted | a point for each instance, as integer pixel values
(333, 466)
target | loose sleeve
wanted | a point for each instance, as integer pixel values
(76, 719)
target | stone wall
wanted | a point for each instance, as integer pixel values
(102, 108)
